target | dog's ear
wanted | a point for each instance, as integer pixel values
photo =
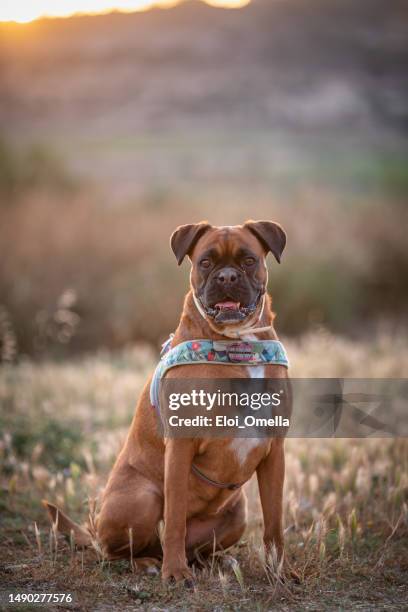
(184, 238)
(271, 235)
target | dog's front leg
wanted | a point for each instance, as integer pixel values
(177, 466)
(271, 475)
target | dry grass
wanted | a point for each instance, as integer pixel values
(345, 501)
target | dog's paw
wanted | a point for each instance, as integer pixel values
(149, 565)
(177, 573)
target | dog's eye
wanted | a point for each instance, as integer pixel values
(205, 263)
(249, 261)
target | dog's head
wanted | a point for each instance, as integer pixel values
(229, 273)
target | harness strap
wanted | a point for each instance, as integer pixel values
(225, 352)
(214, 483)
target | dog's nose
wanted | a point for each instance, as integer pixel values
(228, 276)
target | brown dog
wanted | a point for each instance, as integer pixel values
(152, 478)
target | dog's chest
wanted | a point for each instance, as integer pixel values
(243, 447)
(257, 371)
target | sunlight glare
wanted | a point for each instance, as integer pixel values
(228, 3)
(23, 11)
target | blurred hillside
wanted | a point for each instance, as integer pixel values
(119, 127)
(211, 94)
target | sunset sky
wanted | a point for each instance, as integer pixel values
(27, 10)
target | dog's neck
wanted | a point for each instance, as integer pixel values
(194, 326)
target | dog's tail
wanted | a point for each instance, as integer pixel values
(82, 535)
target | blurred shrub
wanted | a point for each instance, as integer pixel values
(36, 167)
(8, 341)
(58, 441)
(55, 436)
(78, 274)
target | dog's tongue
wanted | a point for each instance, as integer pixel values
(227, 305)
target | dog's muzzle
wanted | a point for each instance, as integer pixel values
(229, 312)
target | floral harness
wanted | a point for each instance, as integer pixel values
(225, 352)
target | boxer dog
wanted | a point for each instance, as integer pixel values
(152, 479)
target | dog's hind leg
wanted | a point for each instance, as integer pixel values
(127, 525)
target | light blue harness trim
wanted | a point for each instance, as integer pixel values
(226, 352)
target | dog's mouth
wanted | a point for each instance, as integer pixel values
(226, 312)
(230, 312)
